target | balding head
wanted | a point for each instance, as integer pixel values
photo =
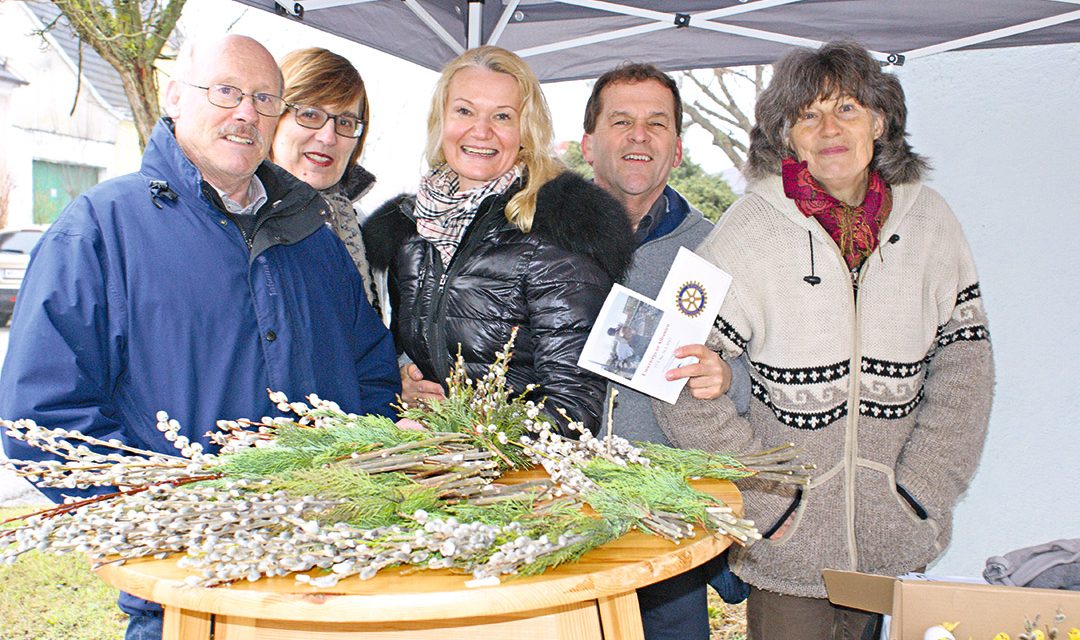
(225, 144)
(194, 53)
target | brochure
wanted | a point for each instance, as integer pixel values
(634, 338)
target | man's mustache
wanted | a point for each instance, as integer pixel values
(243, 131)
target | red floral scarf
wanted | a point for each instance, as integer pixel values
(854, 229)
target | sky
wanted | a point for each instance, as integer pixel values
(399, 93)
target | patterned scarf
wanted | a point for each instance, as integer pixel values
(854, 229)
(443, 213)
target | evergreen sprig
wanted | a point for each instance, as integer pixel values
(352, 495)
(650, 489)
(486, 410)
(365, 501)
(776, 464)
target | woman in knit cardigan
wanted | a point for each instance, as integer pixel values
(856, 301)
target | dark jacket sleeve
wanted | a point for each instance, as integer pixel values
(376, 361)
(589, 246)
(564, 293)
(64, 355)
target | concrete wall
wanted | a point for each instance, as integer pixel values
(1002, 131)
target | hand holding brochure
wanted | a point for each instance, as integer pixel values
(634, 338)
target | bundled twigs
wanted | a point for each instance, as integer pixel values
(779, 464)
(327, 494)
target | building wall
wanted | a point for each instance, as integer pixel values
(40, 124)
(5, 144)
(1001, 130)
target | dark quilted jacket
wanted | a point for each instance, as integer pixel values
(551, 283)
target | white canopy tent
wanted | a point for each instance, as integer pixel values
(573, 39)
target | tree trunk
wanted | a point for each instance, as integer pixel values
(141, 89)
(129, 35)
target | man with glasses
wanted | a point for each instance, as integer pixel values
(193, 286)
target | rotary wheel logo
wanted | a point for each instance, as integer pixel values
(691, 299)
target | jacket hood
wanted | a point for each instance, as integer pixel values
(294, 209)
(355, 182)
(577, 215)
(164, 159)
(571, 213)
(386, 228)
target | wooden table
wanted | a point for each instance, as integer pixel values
(591, 599)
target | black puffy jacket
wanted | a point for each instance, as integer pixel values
(550, 283)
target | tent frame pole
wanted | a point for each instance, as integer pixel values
(658, 20)
(475, 24)
(996, 34)
(504, 20)
(434, 25)
(661, 20)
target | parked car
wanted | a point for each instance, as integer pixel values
(15, 246)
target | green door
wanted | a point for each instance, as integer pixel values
(56, 184)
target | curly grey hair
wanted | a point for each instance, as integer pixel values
(837, 68)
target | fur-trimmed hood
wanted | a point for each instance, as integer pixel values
(571, 213)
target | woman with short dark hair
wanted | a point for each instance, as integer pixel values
(856, 300)
(320, 139)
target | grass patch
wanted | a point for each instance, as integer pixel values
(726, 621)
(48, 597)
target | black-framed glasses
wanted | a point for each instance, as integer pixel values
(227, 96)
(314, 118)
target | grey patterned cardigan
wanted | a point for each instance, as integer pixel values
(888, 391)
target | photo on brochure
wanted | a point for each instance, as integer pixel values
(629, 322)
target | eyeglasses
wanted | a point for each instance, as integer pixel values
(229, 97)
(315, 118)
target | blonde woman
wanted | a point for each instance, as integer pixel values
(500, 235)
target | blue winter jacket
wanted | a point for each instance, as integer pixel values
(144, 296)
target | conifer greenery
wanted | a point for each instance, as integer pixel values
(327, 495)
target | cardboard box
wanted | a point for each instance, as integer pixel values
(982, 610)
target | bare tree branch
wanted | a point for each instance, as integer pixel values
(129, 35)
(712, 113)
(78, 82)
(714, 104)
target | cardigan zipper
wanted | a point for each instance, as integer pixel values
(851, 433)
(851, 424)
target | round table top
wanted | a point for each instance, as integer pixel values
(633, 561)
